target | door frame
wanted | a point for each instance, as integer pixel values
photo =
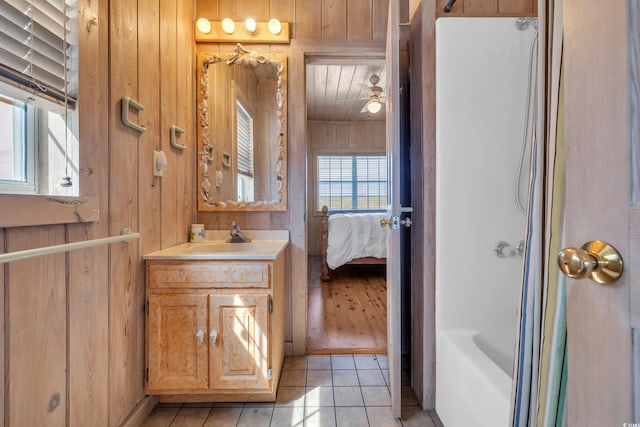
(297, 129)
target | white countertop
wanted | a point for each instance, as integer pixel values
(264, 245)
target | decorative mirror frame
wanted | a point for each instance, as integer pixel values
(241, 56)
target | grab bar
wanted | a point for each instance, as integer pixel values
(125, 236)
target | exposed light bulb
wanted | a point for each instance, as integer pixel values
(204, 26)
(274, 26)
(228, 26)
(250, 24)
(374, 106)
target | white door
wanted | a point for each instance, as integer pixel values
(393, 233)
(597, 205)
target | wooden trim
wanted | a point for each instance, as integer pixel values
(22, 210)
(141, 412)
(423, 200)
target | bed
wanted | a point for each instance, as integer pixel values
(354, 238)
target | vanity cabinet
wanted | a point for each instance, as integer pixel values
(215, 329)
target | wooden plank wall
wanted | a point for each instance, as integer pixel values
(73, 324)
(422, 17)
(336, 138)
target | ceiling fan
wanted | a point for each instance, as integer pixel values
(376, 97)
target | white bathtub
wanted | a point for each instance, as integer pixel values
(472, 389)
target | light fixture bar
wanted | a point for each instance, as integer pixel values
(262, 33)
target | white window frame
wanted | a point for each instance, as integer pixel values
(354, 180)
(28, 146)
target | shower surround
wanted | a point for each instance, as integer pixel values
(483, 105)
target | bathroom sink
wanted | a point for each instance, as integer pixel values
(226, 247)
(220, 249)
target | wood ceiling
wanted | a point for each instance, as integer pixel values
(333, 91)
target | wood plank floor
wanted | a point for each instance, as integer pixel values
(349, 313)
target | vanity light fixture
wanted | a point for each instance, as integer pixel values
(249, 31)
(274, 26)
(250, 25)
(204, 26)
(228, 26)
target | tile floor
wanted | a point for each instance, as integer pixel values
(322, 391)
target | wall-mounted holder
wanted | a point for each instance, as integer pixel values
(172, 139)
(226, 160)
(126, 103)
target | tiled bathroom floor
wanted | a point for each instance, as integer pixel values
(319, 391)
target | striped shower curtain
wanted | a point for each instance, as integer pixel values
(540, 363)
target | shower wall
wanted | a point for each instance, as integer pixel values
(481, 97)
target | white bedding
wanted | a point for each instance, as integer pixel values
(355, 236)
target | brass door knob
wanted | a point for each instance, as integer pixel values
(597, 260)
(384, 222)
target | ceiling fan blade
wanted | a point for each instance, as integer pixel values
(365, 87)
(382, 98)
(364, 109)
(351, 99)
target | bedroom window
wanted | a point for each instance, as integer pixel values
(352, 183)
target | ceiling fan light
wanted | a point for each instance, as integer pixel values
(374, 106)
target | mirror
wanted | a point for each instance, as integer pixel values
(242, 155)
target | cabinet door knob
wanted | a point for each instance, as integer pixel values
(200, 335)
(213, 336)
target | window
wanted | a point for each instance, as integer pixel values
(38, 87)
(244, 140)
(17, 153)
(352, 183)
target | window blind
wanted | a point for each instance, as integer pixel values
(244, 130)
(37, 50)
(352, 182)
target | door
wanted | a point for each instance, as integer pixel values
(394, 267)
(597, 205)
(177, 348)
(239, 337)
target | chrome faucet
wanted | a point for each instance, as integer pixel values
(236, 234)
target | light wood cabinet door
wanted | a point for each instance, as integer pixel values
(239, 353)
(178, 342)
